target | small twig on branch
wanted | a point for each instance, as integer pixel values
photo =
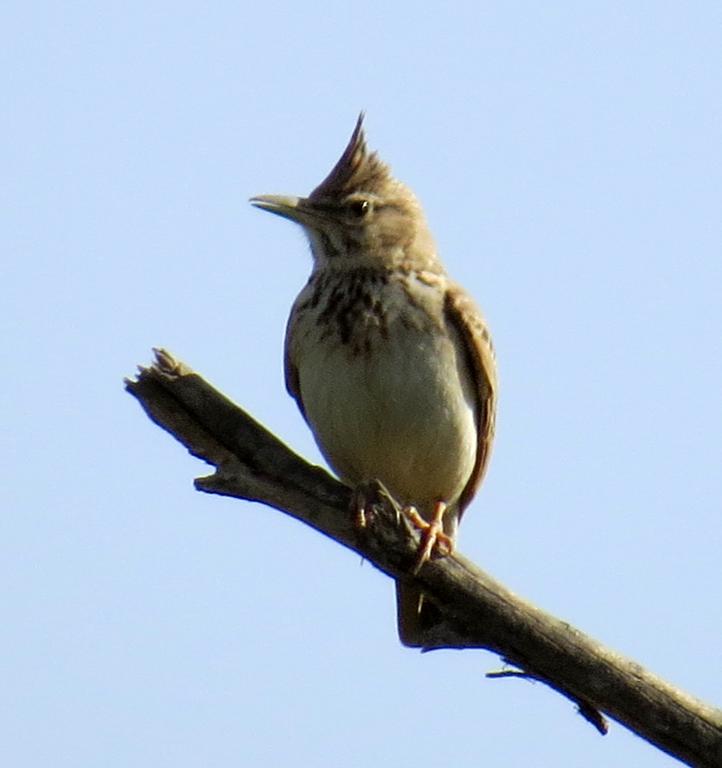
(585, 709)
(476, 611)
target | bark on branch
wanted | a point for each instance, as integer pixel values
(476, 611)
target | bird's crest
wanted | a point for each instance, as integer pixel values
(357, 169)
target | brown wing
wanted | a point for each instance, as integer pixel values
(290, 370)
(462, 314)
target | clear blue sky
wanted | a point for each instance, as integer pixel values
(569, 161)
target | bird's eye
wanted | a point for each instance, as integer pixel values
(359, 208)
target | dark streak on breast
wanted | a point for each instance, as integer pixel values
(351, 312)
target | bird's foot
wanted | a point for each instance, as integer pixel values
(433, 539)
(365, 497)
(360, 506)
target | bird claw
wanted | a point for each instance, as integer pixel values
(433, 539)
(366, 497)
(434, 542)
(361, 510)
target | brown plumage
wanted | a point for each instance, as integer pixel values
(390, 362)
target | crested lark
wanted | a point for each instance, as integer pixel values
(390, 362)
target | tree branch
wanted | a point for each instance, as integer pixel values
(475, 610)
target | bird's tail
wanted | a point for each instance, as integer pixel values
(415, 615)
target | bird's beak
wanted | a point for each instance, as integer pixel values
(296, 209)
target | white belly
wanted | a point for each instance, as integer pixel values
(403, 413)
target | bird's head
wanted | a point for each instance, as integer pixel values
(359, 215)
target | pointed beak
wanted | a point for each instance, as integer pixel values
(296, 209)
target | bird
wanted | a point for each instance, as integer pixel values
(390, 361)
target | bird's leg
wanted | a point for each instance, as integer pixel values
(360, 505)
(433, 537)
(434, 540)
(365, 496)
